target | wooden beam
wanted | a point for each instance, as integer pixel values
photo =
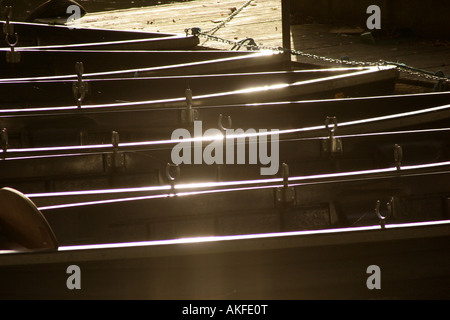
(286, 28)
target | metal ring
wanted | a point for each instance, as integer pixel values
(168, 174)
(79, 91)
(221, 126)
(327, 124)
(9, 43)
(389, 206)
(377, 211)
(79, 69)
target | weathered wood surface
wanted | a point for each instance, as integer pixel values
(261, 20)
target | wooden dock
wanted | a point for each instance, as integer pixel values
(261, 21)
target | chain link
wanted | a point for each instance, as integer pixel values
(400, 66)
(229, 18)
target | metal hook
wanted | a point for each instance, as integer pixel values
(116, 159)
(220, 122)
(224, 130)
(16, 37)
(115, 140)
(80, 87)
(327, 125)
(332, 145)
(398, 156)
(171, 178)
(79, 69)
(285, 195)
(8, 28)
(189, 115)
(389, 206)
(177, 171)
(189, 99)
(4, 141)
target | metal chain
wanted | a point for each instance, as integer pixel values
(400, 66)
(229, 18)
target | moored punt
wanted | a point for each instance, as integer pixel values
(42, 36)
(309, 202)
(38, 65)
(330, 264)
(167, 91)
(94, 125)
(362, 184)
(137, 163)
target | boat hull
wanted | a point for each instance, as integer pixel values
(413, 261)
(38, 65)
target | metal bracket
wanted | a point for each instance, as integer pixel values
(331, 145)
(251, 44)
(398, 156)
(4, 141)
(12, 56)
(224, 128)
(219, 167)
(390, 205)
(172, 178)
(285, 195)
(441, 85)
(189, 115)
(8, 29)
(116, 159)
(79, 88)
(195, 31)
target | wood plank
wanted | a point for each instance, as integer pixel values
(318, 39)
(262, 21)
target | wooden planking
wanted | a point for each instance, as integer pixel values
(426, 54)
(262, 21)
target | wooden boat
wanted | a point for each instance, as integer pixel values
(43, 36)
(69, 126)
(331, 264)
(307, 229)
(38, 65)
(167, 91)
(133, 164)
(289, 203)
